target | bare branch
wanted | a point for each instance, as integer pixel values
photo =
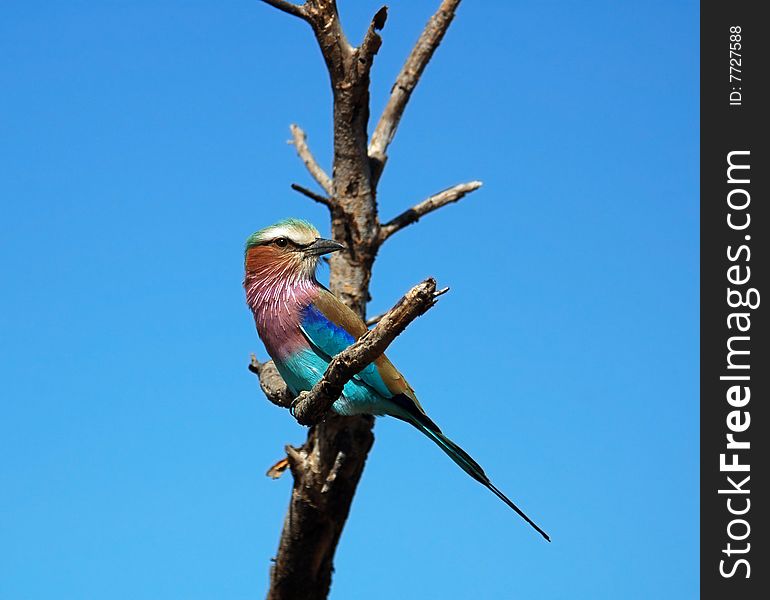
(312, 195)
(271, 382)
(299, 140)
(428, 205)
(310, 407)
(288, 7)
(377, 318)
(406, 81)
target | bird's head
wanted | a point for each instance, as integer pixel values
(290, 248)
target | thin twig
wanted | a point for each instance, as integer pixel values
(299, 140)
(310, 407)
(374, 320)
(407, 80)
(288, 7)
(428, 205)
(312, 195)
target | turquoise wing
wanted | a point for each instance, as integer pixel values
(329, 339)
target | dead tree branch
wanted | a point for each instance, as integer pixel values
(271, 382)
(407, 80)
(312, 195)
(428, 205)
(310, 407)
(288, 7)
(328, 466)
(299, 140)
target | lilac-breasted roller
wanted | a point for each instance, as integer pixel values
(303, 325)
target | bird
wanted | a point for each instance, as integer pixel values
(303, 326)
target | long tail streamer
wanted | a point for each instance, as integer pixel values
(470, 466)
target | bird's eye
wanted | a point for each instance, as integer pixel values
(281, 242)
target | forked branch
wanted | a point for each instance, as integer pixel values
(328, 466)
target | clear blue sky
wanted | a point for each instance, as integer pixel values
(141, 142)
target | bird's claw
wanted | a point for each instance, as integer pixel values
(295, 402)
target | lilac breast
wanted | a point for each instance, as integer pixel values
(277, 308)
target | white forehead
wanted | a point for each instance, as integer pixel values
(298, 235)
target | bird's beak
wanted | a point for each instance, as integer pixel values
(322, 246)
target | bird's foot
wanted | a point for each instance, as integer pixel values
(295, 402)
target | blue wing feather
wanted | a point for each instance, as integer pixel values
(330, 339)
